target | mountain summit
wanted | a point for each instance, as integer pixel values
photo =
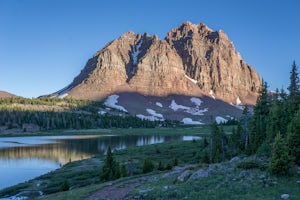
(192, 60)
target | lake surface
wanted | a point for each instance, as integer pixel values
(24, 158)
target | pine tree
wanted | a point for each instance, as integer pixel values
(280, 162)
(160, 166)
(294, 91)
(274, 123)
(293, 138)
(294, 86)
(123, 171)
(110, 169)
(218, 144)
(245, 120)
(147, 166)
(175, 162)
(259, 120)
(205, 157)
(235, 141)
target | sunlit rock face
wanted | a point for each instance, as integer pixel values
(192, 60)
(210, 58)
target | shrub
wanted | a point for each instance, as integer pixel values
(65, 186)
(147, 166)
(169, 166)
(110, 169)
(280, 162)
(175, 163)
(250, 164)
(160, 166)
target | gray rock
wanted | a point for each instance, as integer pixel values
(285, 196)
(244, 173)
(145, 191)
(166, 187)
(184, 175)
(235, 159)
(199, 174)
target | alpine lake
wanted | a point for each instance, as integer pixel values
(24, 158)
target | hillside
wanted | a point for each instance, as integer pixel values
(4, 94)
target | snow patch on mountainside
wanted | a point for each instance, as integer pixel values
(112, 101)
(150, 118)
(159, 104)
(62, 95)
(239, 104)
(196, 101)
(190, 121)
(196, 111)
(174, 106)
(154, 116)
(212, 94)
(193, 80)
(220, 120)
(191, 110)
(136, 52)
(154, 113)
(238, 101)
(102, 112)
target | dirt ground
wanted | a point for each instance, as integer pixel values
(117, 191)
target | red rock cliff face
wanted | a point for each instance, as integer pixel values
(210, 58)
(192, 60)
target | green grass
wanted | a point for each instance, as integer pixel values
(184, 151)
(77, 194)
(200, 130)
(224, 185)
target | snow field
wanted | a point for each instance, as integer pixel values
(112, 101)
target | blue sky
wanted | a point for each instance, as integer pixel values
(45, 43)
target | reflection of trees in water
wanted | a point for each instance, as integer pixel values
(65, 150)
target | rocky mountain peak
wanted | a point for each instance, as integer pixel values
(128, 35)
(192, 60)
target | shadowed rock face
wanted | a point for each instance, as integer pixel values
(192, 60)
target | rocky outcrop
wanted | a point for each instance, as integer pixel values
(192, 60)
(210, 58)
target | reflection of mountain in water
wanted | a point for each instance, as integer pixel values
(71, 149)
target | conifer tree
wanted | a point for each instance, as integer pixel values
(245, 123)
(275, 122)
(147, 166)
(294, 91)
(236, 140)
(160, 166)
(123, 171)
(259, 119)
(293, 138)
(218, 144)
(205, 157)
(110, 169)
(280, 162)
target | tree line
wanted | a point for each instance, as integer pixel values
(70, 120)
(76, 114)
(273, 130)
